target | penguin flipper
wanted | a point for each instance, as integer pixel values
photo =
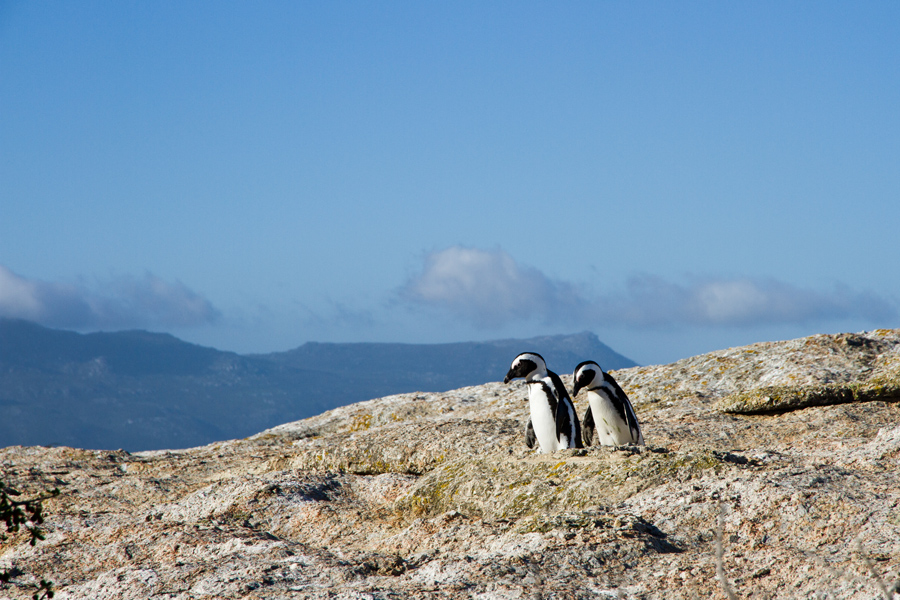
(623, 406)
(530, 438)
(634, 426)
(588, 426)
(567, 423)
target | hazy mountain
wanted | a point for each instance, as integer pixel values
(137, 390)
(439, 367)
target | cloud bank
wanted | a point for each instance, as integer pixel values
(650, 301)
(488, 288)
(122, 303)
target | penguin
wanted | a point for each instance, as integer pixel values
(554, 423)
(608, 408)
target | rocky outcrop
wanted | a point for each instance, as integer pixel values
(783, 454)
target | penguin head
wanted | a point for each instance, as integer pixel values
(587, 375)
(529, 365)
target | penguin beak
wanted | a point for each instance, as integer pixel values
(575, 389)
(507, 379)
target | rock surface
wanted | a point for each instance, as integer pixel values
(792, 446)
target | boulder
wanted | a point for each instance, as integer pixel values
(770, 471)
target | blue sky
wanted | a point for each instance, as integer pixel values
(676, 177)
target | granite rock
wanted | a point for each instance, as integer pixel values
(783, 453)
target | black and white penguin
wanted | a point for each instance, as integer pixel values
(554, 422)
(609, 411)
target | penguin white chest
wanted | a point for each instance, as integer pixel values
(611, 429)
(542, 418)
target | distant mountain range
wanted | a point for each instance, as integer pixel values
(137, 390)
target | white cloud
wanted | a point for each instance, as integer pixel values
(18, 297)
(490, 289)
(121, 303)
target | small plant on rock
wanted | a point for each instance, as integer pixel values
(15, 514)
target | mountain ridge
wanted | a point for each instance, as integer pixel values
(139, 390)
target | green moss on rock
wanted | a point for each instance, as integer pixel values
(776, 399)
